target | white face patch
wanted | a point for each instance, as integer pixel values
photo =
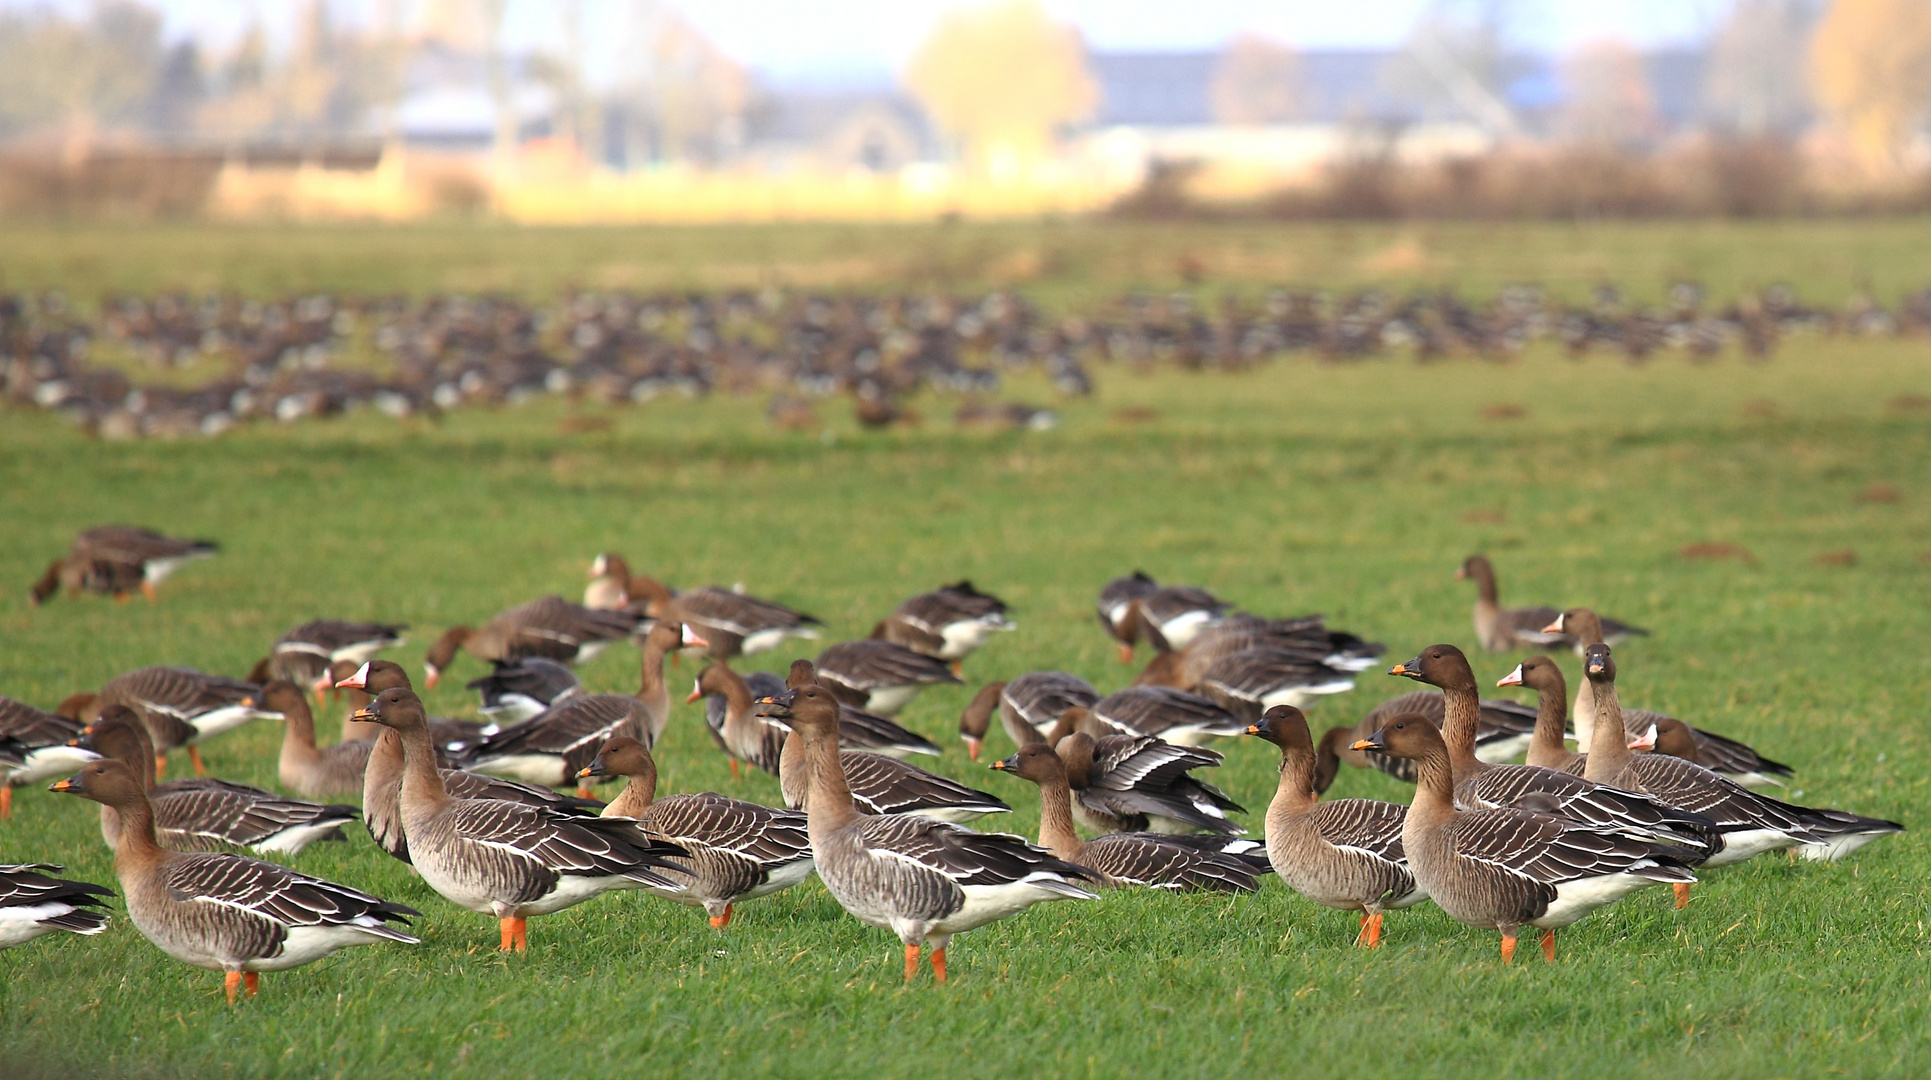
(361, 677)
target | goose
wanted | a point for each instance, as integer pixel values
(509, 859)
(1506, 868)
(732, 623)
(1175, 716)
(116, 559)
(304, 654)
(1502, 629)
(951, 623)
(744, 734)
(1115, 606)
(228, 913)
(184, 707)
(202, 814)
(550, 627)
(1546, 748)
(1501, 735)
(1150, 860)
(1133, 783)
(303, 767)
(447, 731)
(35, 747)
(1166, 616)
(609, 583)
(1250, 682)
(1733, 759)
(737, 850)
(516, 691)
(925, 880)
(1343, 853)
(1030, 705)
(976, 719)
(34, 903)
(878, 676)
(1306, 636)
(382, 782)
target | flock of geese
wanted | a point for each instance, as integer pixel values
(474, 807)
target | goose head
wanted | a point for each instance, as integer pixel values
(1438, 665)
(1037, 763)
(397, 707)
(977, 717)
(107, 781)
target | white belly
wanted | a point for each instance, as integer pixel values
(19, 925)
(959, 814)
(990, 903)
(588, 651)
(962, 638)
(766, 640)
(223, 720)
(1574, 899)
(1180, 630)
(888, 700)
(782, 878)
(1503, 751)
(292, 840)
(155, 571)
(543, 770)
(1302, 697)
(1739, 846)
(513, 709)
(49, 763)
(359, 653)
(1837, 847)
(307, 944)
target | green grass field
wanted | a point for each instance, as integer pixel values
(1352, 491)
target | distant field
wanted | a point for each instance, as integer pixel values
(1351, 490)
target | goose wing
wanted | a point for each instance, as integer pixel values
(860, 730)
(1152, 710)
(966, 858)
(1152, 860)
(764, 834)
(279, 898)
(204, 813)
(536, 677)
(886, 786)
(127, 544)
(1118, 593)
(1040, 696)
(1367, 824)
(24, 728)
(566, 844)
(934, 611)
(1526, 624)
(555, 628)
(573, 729)
(337, 639)
(870, 664)
(180, 692)
(1125, 762)
(1606, 808)
(33, 885)
(1546, 851)
(737, 613)
(1172, 601)
(1725, 755)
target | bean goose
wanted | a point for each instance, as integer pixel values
(203, 814)
(117, 559)
(1176, 716)
(1133, 783)
(1030, 705)
(1500, 736)
(184, 707)
(228, 913)
(1307, 637)
(1480, 784)
(304, 654)
(923, 879)
(34, 903)
(745, 734)
(303, 767)
(1344, 853)
(1505, 868)
(951, 622)
(382, 783)
(878, 676)
(1733, 759)
(737, 850)
(609, 583)
(516, 691)
(550, 627)
(1502, 629)
(732, 623)
(1166, 616)
(508, 859)
(35, 747)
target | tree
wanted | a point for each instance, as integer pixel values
(1747, 88)
(1259, 82)
(1610, 103)
(1870, 66)
(1002, 79)
(55, 72)
(1457, 53)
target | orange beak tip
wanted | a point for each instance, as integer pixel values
(693, 696)
(59, 785)
(1553, 628)
(581, 773)
(1363, 744)
(1253, 729)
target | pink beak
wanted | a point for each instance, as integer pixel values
(359, 680)
(1513, 678)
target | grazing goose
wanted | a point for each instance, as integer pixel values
(305, 768)
(1307, 637)
(1152, 860)
(737, 850)
(1481, 784)
(202, 814)
(878, 676)
(1115, 604)
(732, 623)
(609, 583)
(228, 913)
(517, 691)
(976, 719)
(304, 654)
(1345, 853)
(1507, 629)
(1501, 735)
(745, 734)
(1176, 716)
(1250, 682)
(35, 747)
(1133, 783)
(32, 903)
(1733, 759)
(1546, 748)
(382, 782)
(509, 859)
(1030, 705)
(1167, 617)
(550, 627)
(923, 879)
(185, 707)
(116, 559)
(951, 622)
(1506, 868)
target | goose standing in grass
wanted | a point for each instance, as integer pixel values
(35, 747)
(1175, 716)
(1251, 681)
(609, 588)
(1344, 853)
(448, 731)
(184, 707)
(228, 913)
(116, 560)
(1167, 617)
(1546, 748)
(878, 676)
(732, 623)
(1030, 705)
(925, 880)
(516, 691)
(550, 627)
(951, 623)
(307, 769)
(509, 859)
(745, 734)
(738, 850)
(1502, 629)
(1154, 860)
(303, 655)
(1504, 868)
(1136, 783)
(34, 903)
(1501, 735)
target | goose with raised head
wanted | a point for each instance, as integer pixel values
(1501, 735)
(951, 623)
(303, 767)
(448, 731)
(116, 560)
(1502, 629)
(1546, 747)
(731, 622)
(35, 747)
(1137, 783)
(228, 913)
(1175, 716)
(549, 626)
(184, 707)
(34, 903)
(878, 676)
(744, 733)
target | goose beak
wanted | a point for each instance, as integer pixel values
(697, 691)
(1595, 667)
(1513, 678)
(1126, 652)
(359, 680)
(365, 713)
(431, 674)
(1006, 764)
(1554, 627)
(973, 746)
(1410, 669)
(781, 704)
(599, 567)
(1372, 742)
(1645, 741)
(588, 770)
(69, 784)
(1461, 573)
(1253, 729)
(691, 637)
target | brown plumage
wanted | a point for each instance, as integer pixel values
(549, 626)
(116, 560)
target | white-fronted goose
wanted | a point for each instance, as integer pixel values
(746, 734)
(228, 913)
(304, 654)
(1504, 868)
(33, 902)
(1501, 736)
(1502, 629)
(1151, 860)
(737, 850)
(878, 676)
(517, 691)
(976, 718)
(184, 707)
(609, 583)
(1176, 716)
(1165, 616)
(204, 814)
(303, 767)
(509, 859)
(117, 559)
(1137, 783)
(1344, 853)
(732, 623)
(925, 880)
(1546, 748)
(550, 627)
(1030, 705)
(951, 622)
(1250, 682)
(35, 747)
(447, 731)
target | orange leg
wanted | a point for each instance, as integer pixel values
(231, 982)
(160, 766)
(1549, 946)
(194, 759)
(724, 920)
(1374, 930)
(958, 669)
(321, 697)
(734, 768)
(1126, 653)
(522, 935)
(1361, 929)
(1508, 948)
(251, 981)
(1682, 894)
(584, 792)
(508, 928)
(938, 964)
(6, 802)
(147, 590)
(911, 962)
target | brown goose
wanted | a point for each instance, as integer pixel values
(744, 733)
(951, 622)
(228, 913)
(185, 707)
(1501, 735)
(1546, 748)
(203, 814)
(1030, 705)
(1345, 853)
(117, 559)
(304, 654)
(737, 850)
(1502, 629)
(446, 730)
(609, 583)
(925, 880)
(1133, 783)
(1506, 868)
(976, 719)
(1166, 617)
(305, 768)
(35, 747)
(551, 627)
(1251, 681)
(878, 676)
(1175, 716)
(1151, 860)
(34, 903)
(1306, 637)
(732, 623)
(509, 859)
(515, 692)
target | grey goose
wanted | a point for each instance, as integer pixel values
(118, 559)
(520, 689)
(34, 903)
(1167, 617)
(549, 626)
(746, 734)
(184, 707)
(1136, 783)
(1501, 734)
(951, 622)
(303, 767)
(303, 654)
(1031, 704)
(1502, 629)
(878, 676)
(731, 622)
(1175, 716)
(35, 747)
